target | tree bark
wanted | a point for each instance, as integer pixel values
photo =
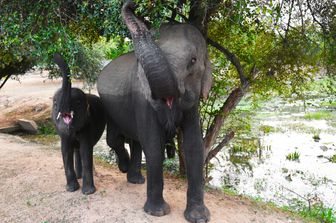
(180, 154)
(211, 154)
(212, 133)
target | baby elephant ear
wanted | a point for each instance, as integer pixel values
(207, 79)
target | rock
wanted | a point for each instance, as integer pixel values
(9, 129)
(28, 125)
(324, 148)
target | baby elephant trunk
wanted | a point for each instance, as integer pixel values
(65, 103)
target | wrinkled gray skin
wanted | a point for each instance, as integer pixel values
(150, 92)
(80, 121)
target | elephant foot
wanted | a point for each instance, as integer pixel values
(157, 209)
(71, 187)
(88, 190)
(135, 178)
(197, 214)
(123, 164)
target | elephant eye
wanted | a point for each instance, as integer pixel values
(193, 60)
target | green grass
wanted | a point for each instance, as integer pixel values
(333, 158)
(295, 156)
(320, 115)
(330, 104)
(266, 129)
(316, 136)
(320, 213)
(46, 135)
(46, 128)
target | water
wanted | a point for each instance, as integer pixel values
(268, 175)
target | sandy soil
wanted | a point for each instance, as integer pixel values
(32, 181)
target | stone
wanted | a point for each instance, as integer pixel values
(28, 125)
(324, 148)
(9, 129)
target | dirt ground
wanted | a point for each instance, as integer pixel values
(32, 181)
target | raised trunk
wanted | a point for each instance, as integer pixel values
(160, 77)
(65, 102)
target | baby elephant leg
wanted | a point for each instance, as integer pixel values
(67, 155)
(86, 153)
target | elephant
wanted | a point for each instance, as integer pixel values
(80, 120)
(150, 92)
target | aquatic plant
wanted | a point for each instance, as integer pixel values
(333, 158)
(266, 129)
(295, 156)
(319, 115)
(316, 136)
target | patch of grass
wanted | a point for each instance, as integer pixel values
(42, 139)
(229, 191)
(333, 158)
(266, 129)
(316, 136)
(330, 104)
(319, 212)
(47, 128)
(247, 145)
(171, 166)
(320, 115)
(295, 156)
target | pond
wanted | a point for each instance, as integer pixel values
(292, 162)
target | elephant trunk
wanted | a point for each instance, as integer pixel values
(65, 102)
(159, 74)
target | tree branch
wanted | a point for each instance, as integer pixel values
(314, 17)
(211, 154)
(4, 82)
(232, 58)
(231, 102)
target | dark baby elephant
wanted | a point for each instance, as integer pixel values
(80, 120)
(150, 92)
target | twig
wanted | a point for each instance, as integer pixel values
(4, 82)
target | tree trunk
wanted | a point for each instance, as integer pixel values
(231, 102)
(180, 154)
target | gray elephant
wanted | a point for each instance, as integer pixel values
(150, 92)
(80, 121)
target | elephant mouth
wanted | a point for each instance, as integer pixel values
(169, 101)
(66, 116)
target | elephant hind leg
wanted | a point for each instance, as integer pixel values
(116, 142)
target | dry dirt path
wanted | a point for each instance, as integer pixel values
(32, 181)
(32, 190)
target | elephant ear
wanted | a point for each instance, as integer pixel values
(207, 79)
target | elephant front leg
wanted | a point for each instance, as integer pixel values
(86, 153)
(67, 155)
(155, 204)
(192, 145)
(134, 171)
